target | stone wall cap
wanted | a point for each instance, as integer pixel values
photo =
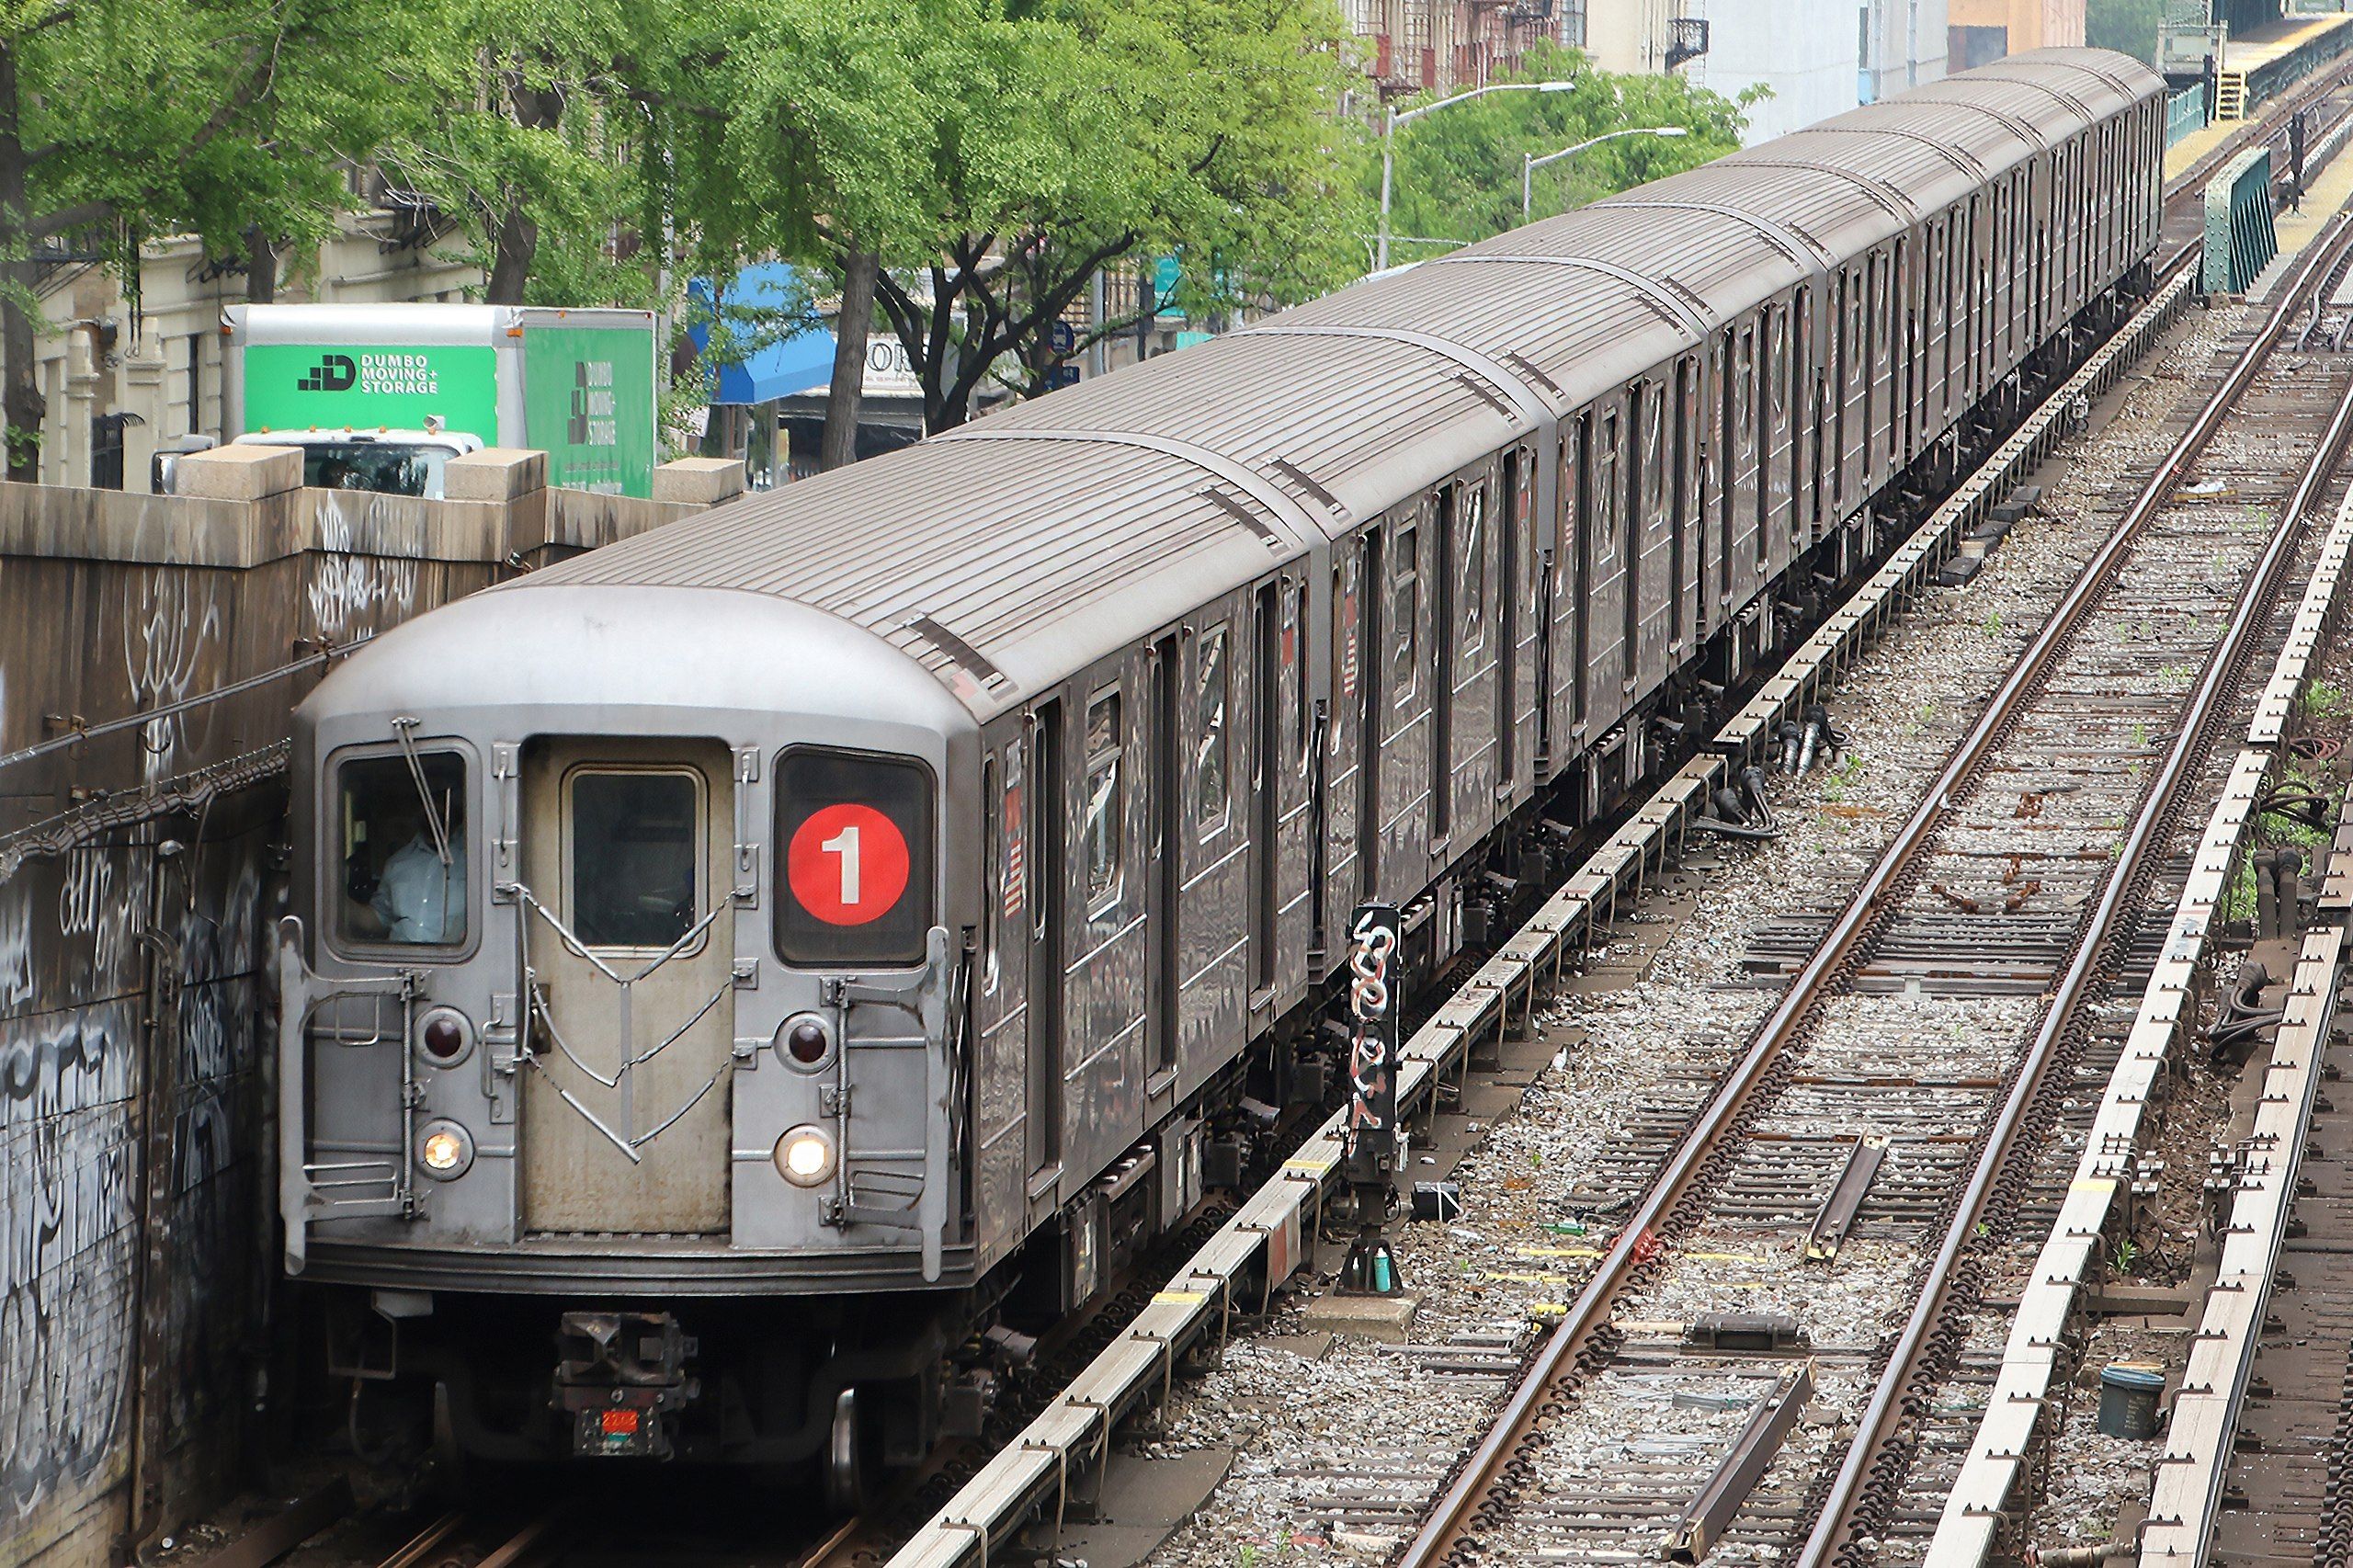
(494, 474)
(238, 472)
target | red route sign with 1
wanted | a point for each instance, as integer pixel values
(847, 864)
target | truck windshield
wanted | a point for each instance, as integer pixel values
(390, 468)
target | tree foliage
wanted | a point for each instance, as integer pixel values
(123, 119)
(2128, 26)
(1456, 173)
(996, 154)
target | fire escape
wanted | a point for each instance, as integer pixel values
(1687, 39)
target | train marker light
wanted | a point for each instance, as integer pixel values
(804, 1157)
(805, 1039)
(444, 1035)
(445, 1151)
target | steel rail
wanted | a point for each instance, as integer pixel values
(1639, 1240)
(2216, 681)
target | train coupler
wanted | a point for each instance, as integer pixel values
(620, 1380)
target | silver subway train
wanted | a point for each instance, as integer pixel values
(742, 976)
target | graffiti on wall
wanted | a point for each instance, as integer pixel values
(352, 593)
(171, 621)
(72, 932)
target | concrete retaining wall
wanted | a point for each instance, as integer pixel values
(140, 871)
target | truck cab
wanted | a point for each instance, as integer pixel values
(390, 462)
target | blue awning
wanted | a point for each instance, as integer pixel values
(795, 365)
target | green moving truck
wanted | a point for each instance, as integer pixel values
(380, 397)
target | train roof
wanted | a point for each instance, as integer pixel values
(1047, 535)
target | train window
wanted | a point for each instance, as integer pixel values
(1405, 613)
(1608, 493)
(1295, 670)
(1473, 575)
(634, 854)
(1571, 500)
(1208, 728)
(1012, 860)
(1106, 803)
(993, 887)
(403, 847)
(1345, 652)
(856, 831)
(1654, 454)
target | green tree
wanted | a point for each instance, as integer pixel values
(547, 143)
(996, 153)
(2128, 26)
(123, 119)
(1456, 173)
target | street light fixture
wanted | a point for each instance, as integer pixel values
(1389, 142)
(1529, 162)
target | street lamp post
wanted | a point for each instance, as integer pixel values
(1529, 162)
(1389, 142)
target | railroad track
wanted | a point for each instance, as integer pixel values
(1074, 1431)
(460, 1540)
(1932, 1084)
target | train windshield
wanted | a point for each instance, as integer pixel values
(401, 820)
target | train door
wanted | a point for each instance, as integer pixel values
(1852, 383)
(1164, 786)
(1688, 625)
(1265, 775)
(1809, 399)
(1471, 661)
(1216, 896)
(1519, 619)
(1000, 993)
(1906, 319)
(1741, 487)
(1880, 403)
(1939, 372)
(1455, 533)
(1373, 668)
(1651, 585)
(1560, 652)
(1047, 899)
(1290, 769)
(1406, 712)
(1106, 1064)
(631, 934)
(1343, 880)
(1776, 505)
(1972, 304)
(1602, 661)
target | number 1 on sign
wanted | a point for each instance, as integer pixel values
(844, 844)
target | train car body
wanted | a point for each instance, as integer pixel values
(754, 959)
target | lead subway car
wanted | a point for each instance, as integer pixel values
(736, 972)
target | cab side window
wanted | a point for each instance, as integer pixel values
(401, 836)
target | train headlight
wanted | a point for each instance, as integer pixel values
(445, 1036)
(805, 1039)
(804, 1157)
(446, 1149)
